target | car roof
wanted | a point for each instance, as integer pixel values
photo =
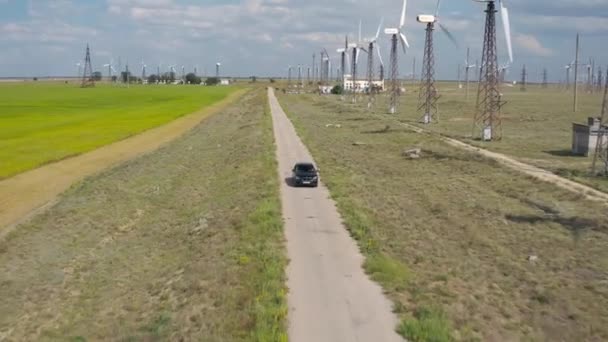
(305, 164)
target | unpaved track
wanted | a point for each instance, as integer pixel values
(330, 297)
(533, 171)
(31, 191)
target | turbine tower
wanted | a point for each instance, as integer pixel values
(487, 124)
(217, 69)
(524, 78)
(343, 56)
(467, 66)
(356, 48)
(110, 68)
(143, 71)
(397, 36)
(300, 84)
(601, 148)
(427, 97)
(371, 89)
(545, 79)
(568, 67)
(87, 75)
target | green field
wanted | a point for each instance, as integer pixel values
(45, 122)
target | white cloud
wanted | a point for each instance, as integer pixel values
(532, 45)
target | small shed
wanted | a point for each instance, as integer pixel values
(584, 137)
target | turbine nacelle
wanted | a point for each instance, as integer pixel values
(391, 31)
(426, 19)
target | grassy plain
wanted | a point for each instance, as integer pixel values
(179, 244)
(46, 122)
(537, 124)
(449, 235)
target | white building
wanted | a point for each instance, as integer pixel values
(224, 82)
(361, 86)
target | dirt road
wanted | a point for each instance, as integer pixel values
(330, 297)
(31, 191)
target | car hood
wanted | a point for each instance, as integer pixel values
(306, 174)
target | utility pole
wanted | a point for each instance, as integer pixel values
(576, 74)
(545, 79)
(314, 58)
(601, 148)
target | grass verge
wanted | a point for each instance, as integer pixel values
(179, 244)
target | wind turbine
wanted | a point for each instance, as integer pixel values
(143, 72)
(356, 49)
(79, 65)
(397, 35)
(427, 97)
(110, 67)
(488, 123)
(370, 65)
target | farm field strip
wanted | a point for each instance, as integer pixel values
(24, 193)
(177, 244)
(46, 122)
(466, 248)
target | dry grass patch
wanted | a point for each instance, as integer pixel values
(465, 246)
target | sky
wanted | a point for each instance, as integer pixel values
(262, 37)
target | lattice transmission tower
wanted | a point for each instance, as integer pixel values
(524, 78)
(600, 158)
(427, 97)
(87, 77)
(488, 123)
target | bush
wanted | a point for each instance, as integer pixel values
(97, 76)
(191, 78)
(337, 90)
(211, 81)
(153, 79)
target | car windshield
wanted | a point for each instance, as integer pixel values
(305, 168)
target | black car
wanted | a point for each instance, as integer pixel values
(305, 174)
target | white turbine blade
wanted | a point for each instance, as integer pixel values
(507, 27)
(379, 28)
(380, 55)
(404, 42)
(450, 36)
(357, 56)
(437, 10)
(402, 21)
